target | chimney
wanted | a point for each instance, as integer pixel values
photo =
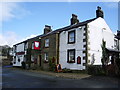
(47, 29)
(99, 12)
(74, 19)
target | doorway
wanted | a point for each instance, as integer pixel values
(39, 60)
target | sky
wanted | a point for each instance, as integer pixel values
(22, 20)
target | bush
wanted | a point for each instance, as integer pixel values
(95, 70)
(118, 66)
(23, 65)
(65, 70)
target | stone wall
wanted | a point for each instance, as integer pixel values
(51, 50)
(35, 53)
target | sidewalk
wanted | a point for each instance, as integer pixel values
(63, 75)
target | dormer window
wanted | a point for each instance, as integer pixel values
(71, 37)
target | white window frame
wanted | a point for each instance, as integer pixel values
(46, 56)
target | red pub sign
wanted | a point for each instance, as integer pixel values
(37, 45)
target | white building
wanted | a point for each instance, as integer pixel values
(81, 43)
(19, 53)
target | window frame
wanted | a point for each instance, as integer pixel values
(115, 43)
(26, 46)
(68, 55)
(46, 56)
(32, 45)
(73, 31)
(47, 43)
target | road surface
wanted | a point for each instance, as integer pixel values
(12, 78)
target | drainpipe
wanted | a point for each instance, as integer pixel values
(58, 40)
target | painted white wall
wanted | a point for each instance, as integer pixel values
(78, 46)
(19, 48)
(21, 59)
(99, 30)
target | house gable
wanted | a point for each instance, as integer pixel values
(98, 31)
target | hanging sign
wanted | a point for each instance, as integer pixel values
(37, 45)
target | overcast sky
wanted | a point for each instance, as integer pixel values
(22, 20)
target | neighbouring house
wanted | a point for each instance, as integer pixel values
(49, 47)
(27, 51)
(74, 46)
(5, 55)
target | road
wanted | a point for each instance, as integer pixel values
(21, 79)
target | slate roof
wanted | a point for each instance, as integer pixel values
(70, 26)
(62, 29)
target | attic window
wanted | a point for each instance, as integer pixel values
(104, 29)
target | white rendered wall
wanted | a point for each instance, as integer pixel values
(78, 46)
(99, 30)
(19, 48)
(21, 57)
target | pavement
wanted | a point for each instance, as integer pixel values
(60, 74)
(17, 78)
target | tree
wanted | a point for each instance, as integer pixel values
(104, 54)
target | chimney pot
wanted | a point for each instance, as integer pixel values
(47, 29)
(99, 12)
(74, 19)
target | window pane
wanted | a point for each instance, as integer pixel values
(71, 55)
(47, 43)
(46, 56)
(71, 36)
(32, 45)
(71, 39)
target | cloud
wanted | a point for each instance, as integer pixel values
(31, 36)
(6, 11)
(10, 38)
(10, 10)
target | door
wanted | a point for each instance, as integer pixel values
(39, 60)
